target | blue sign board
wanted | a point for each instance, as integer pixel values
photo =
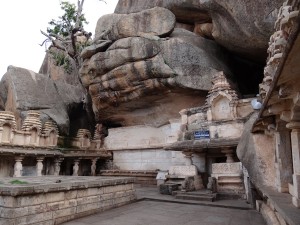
(201, 134)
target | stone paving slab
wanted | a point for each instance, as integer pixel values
(156, 209)
(166, 213)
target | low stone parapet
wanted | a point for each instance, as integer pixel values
(143, 177)
(54, 200)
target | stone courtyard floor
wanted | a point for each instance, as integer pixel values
(155, 209)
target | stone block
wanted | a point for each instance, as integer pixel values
(50, 222)
(105, 197)
(35, 218)
(88, 200)
(106, 203)
(70, 194)
(23, 201)
(183, 171)
(296, 202)
(167, 189)
(62, 204)
(61, 220)
(7, 201)
(296, 184)
(64, 212)
(6, 221)
(89, 192)
(87, 207)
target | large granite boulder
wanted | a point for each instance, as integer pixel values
(2, 106)
(137, 78)
(256, 152)
(27, 90)
(152, 22)
(242, 26)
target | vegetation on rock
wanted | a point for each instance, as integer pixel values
(67, 33)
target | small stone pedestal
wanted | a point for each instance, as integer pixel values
(167, 189)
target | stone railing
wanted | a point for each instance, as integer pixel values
(227, 168)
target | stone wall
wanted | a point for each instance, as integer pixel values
(152, 160)
(49, 203)
(142, 137)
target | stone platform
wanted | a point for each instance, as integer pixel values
(50, 200)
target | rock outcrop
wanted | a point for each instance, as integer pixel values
(26, 90)
(243, 27)
(255, 149)
(152, 22)
(145, 66)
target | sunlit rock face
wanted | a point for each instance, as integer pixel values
(241, 26)
(23, 90)
(148, 77)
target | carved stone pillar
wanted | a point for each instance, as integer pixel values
(93, 166)
(188, 158)
(229, 154)
(39, 165)
(295, 140)
(283, 160)
(57, 163)
(76, 167)
(18, 168)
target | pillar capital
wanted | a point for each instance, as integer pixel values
(293, 125)
(19, 158)
(40, 158)
(188, 157)
(229, 154)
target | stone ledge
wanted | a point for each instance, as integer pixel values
(47, 184)
(282, 203)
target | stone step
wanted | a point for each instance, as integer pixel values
(208, 198)
(230, 182)
(194, 193)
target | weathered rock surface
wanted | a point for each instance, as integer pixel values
(67, 73)
(2, 106)
(91, 50)
(240, 26)
(255, 149)
(27, 90)
(186, 11)
(135, 67)
(152, 22)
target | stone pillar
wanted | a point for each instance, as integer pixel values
(18, 168)
(57, 163)
(39, 165)
(188, 158)
(283, 160)
(295, 141)
(93, 166)
(76, 167)
(229, 154)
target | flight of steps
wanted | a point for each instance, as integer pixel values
(203, 195)
(230, 185)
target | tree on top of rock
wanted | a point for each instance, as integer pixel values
(67, 33)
